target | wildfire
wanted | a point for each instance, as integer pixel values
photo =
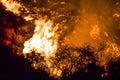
(44, 40)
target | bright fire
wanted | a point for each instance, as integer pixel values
(11, 6)
(44, 40)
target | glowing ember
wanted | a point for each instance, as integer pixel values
(44, 40)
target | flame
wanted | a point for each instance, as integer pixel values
(11, 6)
(116, 15)
(94, 33)
(28, 18)
(44, 40)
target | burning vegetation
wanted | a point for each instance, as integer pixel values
(60, 37)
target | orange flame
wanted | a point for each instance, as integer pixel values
(95, 32)
(44, 40)
(11, 6)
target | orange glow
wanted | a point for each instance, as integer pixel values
(94, 33)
